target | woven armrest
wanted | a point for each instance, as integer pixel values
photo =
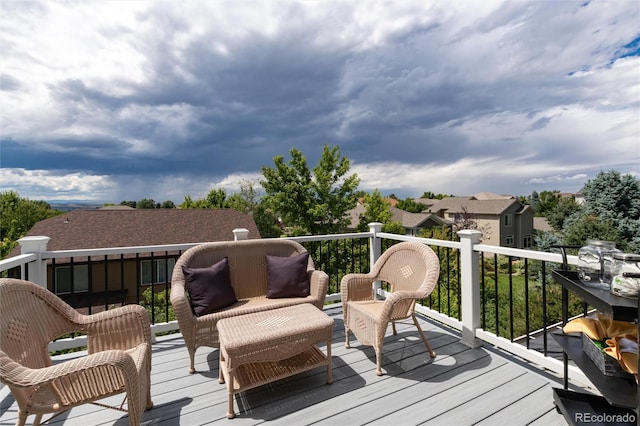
(319, 281)
(357, 286)
(17, 375)
(397, 296)
(120, 328)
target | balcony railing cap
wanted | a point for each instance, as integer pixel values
(33, 244)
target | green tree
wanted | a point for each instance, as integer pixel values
(615, 198)
(18, 216)
(168, 204)
(533, 200)
(215, 199)
(267, 221)
(146, 203)
(131, 204)
(311, 202)
(564, 209)
(393, 227)
(546, 202)
(376, 210)
(433, 196)
(246, 200)
(582, 227)
(411, 205)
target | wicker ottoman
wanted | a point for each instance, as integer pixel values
(267, 346)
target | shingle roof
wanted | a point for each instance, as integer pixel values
(428, 202)
(407, 219)
(473, 206)
(414, 220)
(541, 224)
(83, 229)
(491, 196)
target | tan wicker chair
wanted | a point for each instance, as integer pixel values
(412, 270)
(248, 275)
(118, 360)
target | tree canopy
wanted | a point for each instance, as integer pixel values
(611, 211)
(247, 200)
(615, 198)
(545, 202)
(215, 199)
(18, 216)
(147, 203)
(434, 196)
(411, 205)
(311, 202)
(376, 210)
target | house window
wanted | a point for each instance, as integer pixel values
(64, 283)
(156, 271)
(508, 220)
(526, 241)
(509, 240)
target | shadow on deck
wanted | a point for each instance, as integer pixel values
(461, 386)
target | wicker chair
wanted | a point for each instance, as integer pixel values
(118, 360)
(412, 271)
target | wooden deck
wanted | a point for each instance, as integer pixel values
(462, 386)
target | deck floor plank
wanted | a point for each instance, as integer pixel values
(461, 386)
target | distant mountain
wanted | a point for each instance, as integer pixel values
(66, 206)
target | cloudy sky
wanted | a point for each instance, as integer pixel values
(121, 100)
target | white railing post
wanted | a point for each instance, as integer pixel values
(470, 286)
(37, 269)
(375, 250)
(240, 234)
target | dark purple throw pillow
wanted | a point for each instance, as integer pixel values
(209, 288)
(287, 276)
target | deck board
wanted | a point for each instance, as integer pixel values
(461, 386)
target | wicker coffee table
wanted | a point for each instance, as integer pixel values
(263, 347)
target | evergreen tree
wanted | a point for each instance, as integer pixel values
(615, 198)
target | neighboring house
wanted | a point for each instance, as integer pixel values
(81, 282)
(411, 222)
(428, 202)
(578, 197)
(540, 224)
(504, 220)
(414, 222)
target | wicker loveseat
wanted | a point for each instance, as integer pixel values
(248, 274)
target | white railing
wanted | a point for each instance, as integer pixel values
(468, 245)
